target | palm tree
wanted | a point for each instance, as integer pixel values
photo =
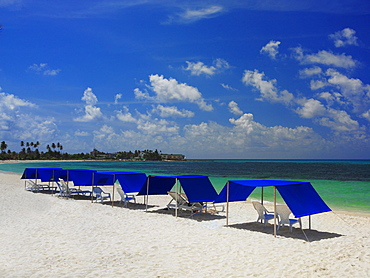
(3, 146)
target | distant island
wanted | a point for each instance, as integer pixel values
(30, 151)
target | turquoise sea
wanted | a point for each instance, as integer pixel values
(343, 184)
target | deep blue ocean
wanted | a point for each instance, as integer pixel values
(343, 184)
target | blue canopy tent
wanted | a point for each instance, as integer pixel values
(130, 182)
(44, 174)
(301, 198)
(80, 177)
(156, 185)
(197, 188)
(30, 173)
(87, 177)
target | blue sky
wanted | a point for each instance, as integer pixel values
(209, 79)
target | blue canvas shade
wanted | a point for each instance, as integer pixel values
(90, 178)
(239, 192)
(44, 174)
(30, 173)
(157, 185)
(130, 181)
(102, 178)
(81, 177)
(49, 174)
(301, 198)
(198, 188)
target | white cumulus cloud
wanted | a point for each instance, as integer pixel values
(339, 120)
(344, 37)
(170, 90)
(117, 97)
(17, 122)
(199, 68)
(172, 111)
(309, 72)
(352, 89)
(125, 116)
(91, 111)
(267, 88)
(271, 49)
(158, 127)
(311, 108)
(327, 58)
(234, 108)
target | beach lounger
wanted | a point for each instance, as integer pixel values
(100, 195)
(30, 185)
(207, 207)
(263, 213)
(125, 198)
(283, 213)
(66, 191)
(180, 202)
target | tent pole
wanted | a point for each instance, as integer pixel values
(227, 202)
(114, 187)
(274, 211)
(92, 188)
(37, 173)
(309, 222)
(147, 193)
(262, 195)
(177, 196)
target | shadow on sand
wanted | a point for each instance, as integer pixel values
(133, 206)
(306, 234)
(204, 216)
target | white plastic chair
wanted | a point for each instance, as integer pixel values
(263, 213)
(125, 198)
(283, 213)
(100, 195)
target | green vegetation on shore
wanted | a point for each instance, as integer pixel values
(30, 151)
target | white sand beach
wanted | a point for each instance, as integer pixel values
(42, 235)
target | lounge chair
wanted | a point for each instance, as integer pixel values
(65, 191)
(180, 202)
(30, 185)
(283, 213)
(100, 195)
(125, 198)
(207, 207)
(263, 213)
